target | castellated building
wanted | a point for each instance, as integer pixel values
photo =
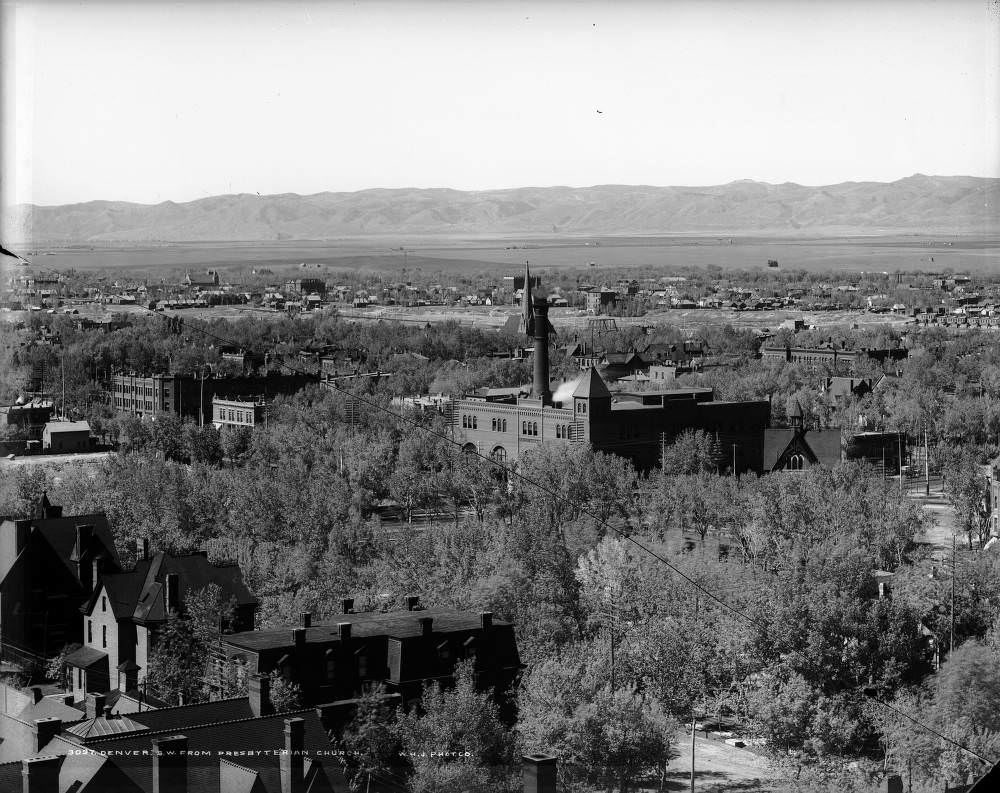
(633, 425)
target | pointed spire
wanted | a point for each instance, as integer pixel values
(527, 309)
(43, 505)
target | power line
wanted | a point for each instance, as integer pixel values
(625, 536)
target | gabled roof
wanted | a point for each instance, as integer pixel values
(60, 534)
(101, 726)
(49, 707)
(591, 386)
(87, 658)
(140, 594)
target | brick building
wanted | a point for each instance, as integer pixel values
(836, 359)
(238, 412)
(402, 650)
(633, 425)
(191, 396)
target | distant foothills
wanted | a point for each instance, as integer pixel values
(917, 204)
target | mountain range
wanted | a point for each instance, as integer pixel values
(919, 203)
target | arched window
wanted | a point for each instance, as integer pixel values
(469, 448)
(569, 432)
(494, 425)
(558, 431)
(795, 462)
(534, 428)
(475, 422)
(504, 425)
(524, 427)
(499, 454)
(465, 422)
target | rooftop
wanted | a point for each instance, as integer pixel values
(397, 624)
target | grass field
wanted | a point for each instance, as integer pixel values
(454, 256)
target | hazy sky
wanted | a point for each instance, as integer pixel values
(153, 101)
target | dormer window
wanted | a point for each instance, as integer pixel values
(331, 665)
(444, 652)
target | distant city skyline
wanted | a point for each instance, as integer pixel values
(150, 103)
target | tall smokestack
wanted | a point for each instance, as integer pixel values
(540, 383)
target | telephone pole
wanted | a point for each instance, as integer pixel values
(954, 570)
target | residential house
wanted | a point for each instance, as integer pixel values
(49, 564)
(60, 437)
(126, 609)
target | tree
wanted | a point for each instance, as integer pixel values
(370, 739)
(56, 667)
(284, 694)
(456, 740)
(177, 663)
(967, 490)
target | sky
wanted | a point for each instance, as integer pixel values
(150, 102)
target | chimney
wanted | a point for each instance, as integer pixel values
(173, 592)
(259, 694)
(347, 605)
(426, 625)
(22, 528)
(539, 773)
(344, 629)
(170, 764)
(43, 731)
(36, 694)
(107, 712)
(540, 382)
(69, 700)
(142, 549)
(95, 576)
(412, 603)
(95, 705)
(52, 511)
(305, 619)
(292, 759)
(84, 532)
(487, 620)
(299, 637)
(40, 774)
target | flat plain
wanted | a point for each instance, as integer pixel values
(472, 257)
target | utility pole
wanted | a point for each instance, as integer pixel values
(927, 467)
(734, 461)
(954, 570)
(899, 460)
(692, 749)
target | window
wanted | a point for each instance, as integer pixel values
(524, 427)
(569, 432)
(362, 666)
(494, 425)
(558, 430)
(504, 425)
(465, 422)
(104, 603)
(331, 665)
(90, 631)
(79, 678)
(534, 428)
(499, 454)
(795, 462)
(104, 636)
(444, 652)
(475, 422)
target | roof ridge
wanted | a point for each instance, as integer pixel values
(177, 730)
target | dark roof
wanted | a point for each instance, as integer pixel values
(397, 624)
(60, 533)
(101, 726)
(183, 716)
(140, 593)
(213, 742)
(823, 445)
(48, 707)
(86, 657)
(591, 386)
(10, 777)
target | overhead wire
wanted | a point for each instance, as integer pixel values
(746, 618)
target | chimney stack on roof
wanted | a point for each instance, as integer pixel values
(305, 619)
(487, 620)
(426, 626)
(292, 760)
(299, 637)
(347, 605)
(43, 731)
(170, 764)
(344, 631)
(259, 694)
(95, 705)
(412, 602)
(40, 774)
(173, 585)
(539, 773)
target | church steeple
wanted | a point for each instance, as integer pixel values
(795, 417)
